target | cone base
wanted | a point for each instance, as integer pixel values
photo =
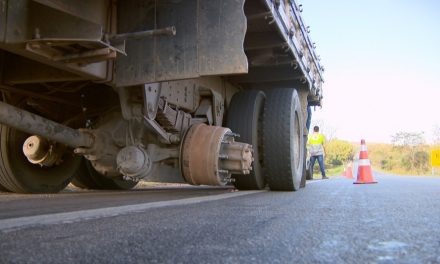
(364, 182)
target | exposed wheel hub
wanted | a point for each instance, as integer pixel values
(210, 155)
(39, 150)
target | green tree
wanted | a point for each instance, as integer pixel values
(338, 152)
(387, 163)
(421, 161)
(408, 139)
(413, 151)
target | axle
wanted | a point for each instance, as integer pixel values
(37, 125)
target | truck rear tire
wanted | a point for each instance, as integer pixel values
(17, 174)
(283, 140)
(304, 174)
(244, 117)
(309, 171)
(83, 179)
(3, 189)
(88, 178)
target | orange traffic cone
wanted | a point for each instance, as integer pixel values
(348, 172)
(345, 172)
(364, 174)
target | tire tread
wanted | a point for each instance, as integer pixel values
(276, 139)
(241, 119)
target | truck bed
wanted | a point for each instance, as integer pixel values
(254, 43)
(279, 49)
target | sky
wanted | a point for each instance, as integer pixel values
(382, 72)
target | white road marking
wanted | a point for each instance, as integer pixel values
(13, 224)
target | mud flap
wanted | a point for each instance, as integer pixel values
(209, 40)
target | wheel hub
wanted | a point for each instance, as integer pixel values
(39, 150)
(210, 155)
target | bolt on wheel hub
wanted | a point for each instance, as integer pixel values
(210, 155)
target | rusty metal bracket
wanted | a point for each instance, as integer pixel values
(151, 93)
(164, 136)
(168, 31)
(80, 51)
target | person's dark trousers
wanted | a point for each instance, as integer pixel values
(320, 159)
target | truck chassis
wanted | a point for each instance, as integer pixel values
(106, 93)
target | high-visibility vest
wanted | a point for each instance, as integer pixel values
(316, 139)
(316, 144)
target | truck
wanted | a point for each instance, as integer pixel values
(106, 93)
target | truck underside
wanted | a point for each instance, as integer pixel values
(106, 93)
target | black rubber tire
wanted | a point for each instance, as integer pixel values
(105, 183)
(244, 117)
(309, 171)
(18, 175)
(83, 179)
(88, 178)
(283, 139)
(308, 168)
(3, 189)
(304, 173)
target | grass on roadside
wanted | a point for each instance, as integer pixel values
(329, 171)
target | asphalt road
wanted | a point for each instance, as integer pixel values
(331, 221)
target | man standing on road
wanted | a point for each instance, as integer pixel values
(316, 147)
